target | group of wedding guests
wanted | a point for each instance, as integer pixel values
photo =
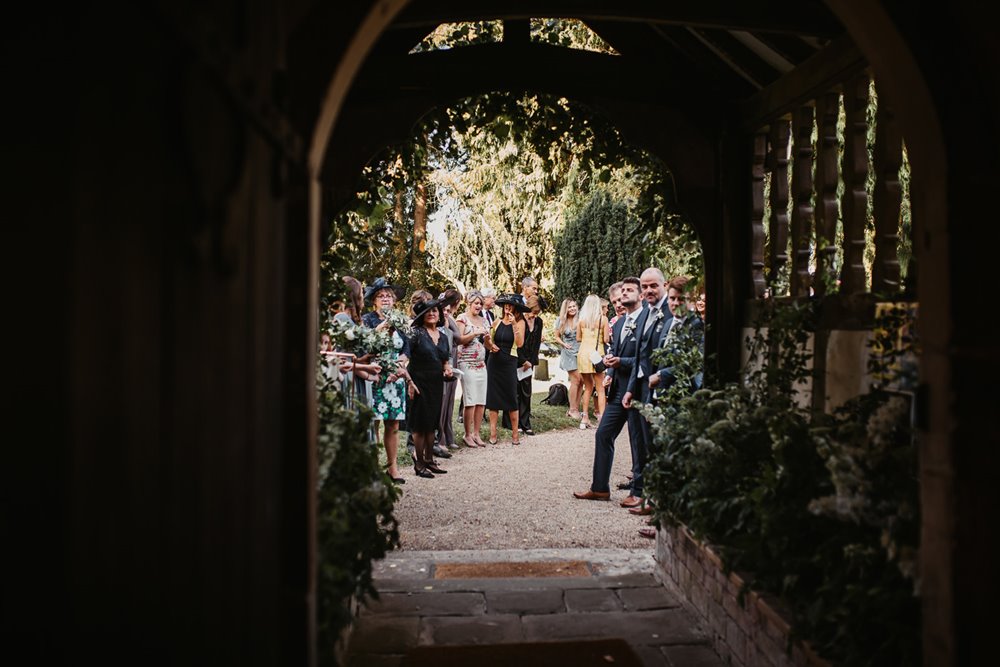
(492, 352)
(492, 348)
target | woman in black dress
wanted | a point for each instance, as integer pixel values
(501, 365)
(430, 366)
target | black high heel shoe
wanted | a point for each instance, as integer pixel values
(426, 474)
(433, 467)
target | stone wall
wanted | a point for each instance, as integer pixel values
(751, 634)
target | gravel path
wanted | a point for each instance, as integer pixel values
(506, 497)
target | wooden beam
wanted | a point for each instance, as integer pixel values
(827, 206)
(888, 200)
(837, 62)
(795, 18)
(802, 194)
(524, 66)
(751, 74)
(778, 224)
(757, 214)
(854, 204)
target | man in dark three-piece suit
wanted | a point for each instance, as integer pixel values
(621, 359)
(682, 321)
(651, 329)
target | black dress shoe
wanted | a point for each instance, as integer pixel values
(625, 485)
(441, 452)
(433, 467)
(528, 431)
(427, 474)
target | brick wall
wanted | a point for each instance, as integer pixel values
(752, 634)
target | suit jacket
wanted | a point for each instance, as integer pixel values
(697, 328)
(626, 352)
(648, 341)
(532, 344)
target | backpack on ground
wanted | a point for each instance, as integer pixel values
(558, 395)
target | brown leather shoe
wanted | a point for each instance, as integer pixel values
(592, 495)
(632, 501)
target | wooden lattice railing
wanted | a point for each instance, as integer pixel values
(805, 141)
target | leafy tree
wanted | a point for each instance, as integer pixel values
(596, 248)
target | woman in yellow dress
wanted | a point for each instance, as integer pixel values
(590, 329)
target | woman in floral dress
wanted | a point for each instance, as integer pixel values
(389, 390)
(472, 362)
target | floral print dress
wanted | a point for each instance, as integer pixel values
(388, 398)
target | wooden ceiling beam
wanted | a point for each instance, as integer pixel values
(704, 61)
(800, 17)
(821, 73)
(457, 73)
(739, 60)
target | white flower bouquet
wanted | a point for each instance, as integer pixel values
(360, 340)
(398, 321)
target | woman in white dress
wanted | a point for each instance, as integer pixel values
(474, 331)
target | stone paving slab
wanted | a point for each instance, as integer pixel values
(691, 656)
(623, 599)
(476, 630)
(592, 599)
(427, 604)
(650, 597)
(636, 580)
(544, 601)
(667, 626)
(385, 634)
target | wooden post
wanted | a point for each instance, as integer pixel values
(855, 203)
(757, 213)
(827, 109)
(779, 203)
(802, 190)
(888, 199)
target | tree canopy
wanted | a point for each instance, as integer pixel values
(485, 186)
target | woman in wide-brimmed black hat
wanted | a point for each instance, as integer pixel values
(430, 366)
(501, 366)
(388, 400)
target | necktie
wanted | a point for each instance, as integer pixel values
(650, 319)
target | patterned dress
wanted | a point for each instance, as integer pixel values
(388, 398)
(472, 363)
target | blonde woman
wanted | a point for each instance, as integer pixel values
(566, 339)
(590, 334)
(472, 342)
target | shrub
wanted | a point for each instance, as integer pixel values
(820, 509)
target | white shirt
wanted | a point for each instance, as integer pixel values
(630, 319)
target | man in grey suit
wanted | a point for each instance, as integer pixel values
(621, 358)
(651, 327)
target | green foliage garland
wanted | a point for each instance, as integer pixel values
(355, 520)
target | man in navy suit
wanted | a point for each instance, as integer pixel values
(682, 319)
(621, 358)
(651, 328)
